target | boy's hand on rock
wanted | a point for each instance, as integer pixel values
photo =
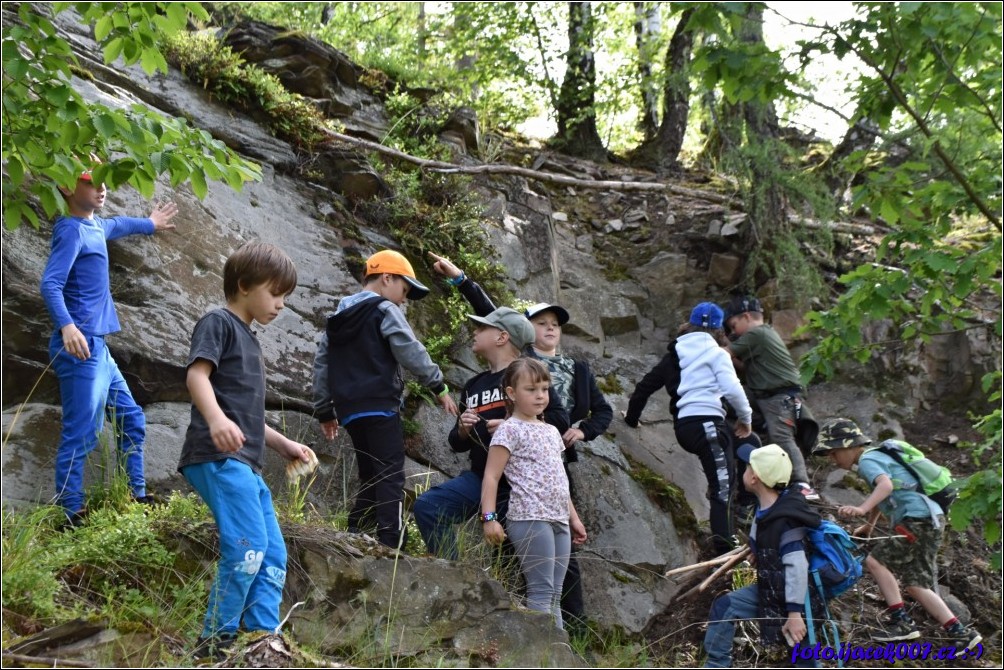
(446, 402)
(162, 214)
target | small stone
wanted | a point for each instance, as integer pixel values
(559, 216)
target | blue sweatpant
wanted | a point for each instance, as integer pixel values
(252, 568)
(455, 501)
(90, 390)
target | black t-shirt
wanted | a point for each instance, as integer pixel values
(238, 380)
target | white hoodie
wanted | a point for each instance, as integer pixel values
(707, 374)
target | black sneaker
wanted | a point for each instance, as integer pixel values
(895, 628)
(963, 637)
(214, 647)
(148, 499)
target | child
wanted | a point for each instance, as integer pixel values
(576, 388)
(357, 377)
(498, 338)
(224, 447)
(917, 519)
(542, 522)
(77, 292)
(777, 599)
(697, 373)
(772, 379)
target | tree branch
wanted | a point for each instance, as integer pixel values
(45, 660)
(536, 175)
(900, 97)
(983, 103)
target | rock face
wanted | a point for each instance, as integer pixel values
(620, 324)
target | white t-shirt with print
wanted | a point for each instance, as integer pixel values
(535, 471)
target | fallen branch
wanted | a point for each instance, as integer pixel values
(46, 660)
(536, 175)
(704, 564)
(728, 565)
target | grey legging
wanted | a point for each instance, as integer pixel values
(543, 548)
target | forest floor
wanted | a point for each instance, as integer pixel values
(964, 571)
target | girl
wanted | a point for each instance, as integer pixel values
(697, 373)
(573, 381)
(542, 521)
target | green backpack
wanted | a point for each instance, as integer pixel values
(933, 480)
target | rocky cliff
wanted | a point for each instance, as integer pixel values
(627, 265)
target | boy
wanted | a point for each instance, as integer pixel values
(772, 379)
(499, 337)
(576, 390)
(76, 290)
(698, 375)
(777, 599)
(357, 378)
(917, 519)
(224, 447)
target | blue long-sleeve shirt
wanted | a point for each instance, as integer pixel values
(75, 285)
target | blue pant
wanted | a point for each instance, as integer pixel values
(252, 568)
(743, 604)
(90, 390)
(455, 501)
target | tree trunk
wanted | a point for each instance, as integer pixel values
(577, 134)
(765, 203)
(662, 152)
(422, 33)
(646, 29)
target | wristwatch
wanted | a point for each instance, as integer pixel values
(489, 516)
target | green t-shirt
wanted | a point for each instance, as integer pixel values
(768, 362)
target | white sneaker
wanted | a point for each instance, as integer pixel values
(807, 491)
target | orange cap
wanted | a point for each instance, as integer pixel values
(86, 174)
(394, 263)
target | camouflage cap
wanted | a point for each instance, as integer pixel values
(840, 434)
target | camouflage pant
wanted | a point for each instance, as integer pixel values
(913, 563)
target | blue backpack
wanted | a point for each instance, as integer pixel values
(834, 559)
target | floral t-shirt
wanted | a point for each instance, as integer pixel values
(535, 472)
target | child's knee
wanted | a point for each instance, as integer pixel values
(720, 607)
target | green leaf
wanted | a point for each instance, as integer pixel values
(16, 171)
(889, 212)
(113, 49)
(105, 124)
(199, 187)
(102, 28)
(15, 68)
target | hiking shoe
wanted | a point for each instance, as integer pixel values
(895, 628)
(963, 637)
(214, 647)
(807, 491)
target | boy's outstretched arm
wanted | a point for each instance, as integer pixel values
(227, 435)
(472, 292)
